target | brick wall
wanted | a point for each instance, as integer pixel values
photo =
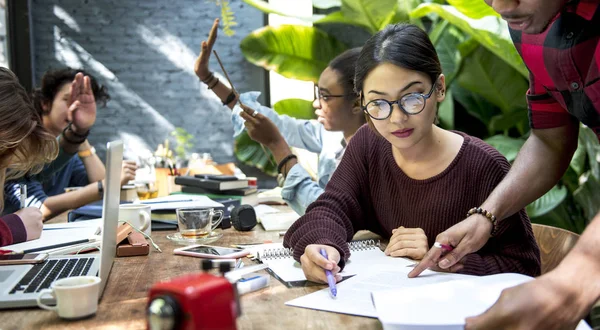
(143, 51)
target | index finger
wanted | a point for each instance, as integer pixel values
(431, 258)
(212, 36)
(319, 260)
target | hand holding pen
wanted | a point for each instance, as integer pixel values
(315, 266)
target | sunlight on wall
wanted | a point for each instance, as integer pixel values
(66, 18)
(281, 87)
(170, 46)
(71, 54)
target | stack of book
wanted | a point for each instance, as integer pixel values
(214, 185)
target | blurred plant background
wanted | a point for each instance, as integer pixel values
(486, 83)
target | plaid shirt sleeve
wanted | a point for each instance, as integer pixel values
(544, 109)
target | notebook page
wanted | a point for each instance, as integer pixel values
(354, 294)
(289, 270)
(410, 308)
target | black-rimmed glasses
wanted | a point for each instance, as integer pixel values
(410, 104)
(325, 97)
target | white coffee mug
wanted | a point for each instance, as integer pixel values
(137, 215)
(76, 297)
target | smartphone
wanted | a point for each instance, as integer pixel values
(211, 252)
(216, 177)
(22, 259)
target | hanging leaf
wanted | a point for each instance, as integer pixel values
(298, 52)
(296, 108)
(548, 202)
(473, 8)
(374, 15)
(446, 111)
(507, 146)
(491, 32)
(487, 75)
(251, 153)
(578, 159)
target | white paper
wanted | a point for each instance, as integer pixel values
(263, 209)
(77, 224)
(56, 236)
(278, 221)
(354, 295)
(173, 202)
(411, 308)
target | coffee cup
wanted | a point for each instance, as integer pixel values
(198, 222)
(138, 215)
(76, 297)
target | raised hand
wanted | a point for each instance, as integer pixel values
(82, 105)
(201, 64)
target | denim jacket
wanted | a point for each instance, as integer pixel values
(299, 190)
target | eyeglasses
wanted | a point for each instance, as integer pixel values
(410, 104)
(325, 97)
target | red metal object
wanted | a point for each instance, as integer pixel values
(201, 301)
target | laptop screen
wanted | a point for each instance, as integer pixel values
(110, 209)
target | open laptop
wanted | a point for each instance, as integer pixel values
(20, 284)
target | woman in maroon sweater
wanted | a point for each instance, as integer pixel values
(405, 178)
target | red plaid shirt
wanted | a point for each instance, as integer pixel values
(564, 63)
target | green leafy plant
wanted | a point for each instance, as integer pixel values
(227, 17)
(183, 142)
(486, 80)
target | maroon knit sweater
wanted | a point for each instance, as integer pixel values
(369, 191)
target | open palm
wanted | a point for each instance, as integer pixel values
(82, 105)
(201, 64)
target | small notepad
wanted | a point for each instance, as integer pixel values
(364, 254)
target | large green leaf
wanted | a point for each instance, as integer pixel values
(485, 74)
(578, 159)
(298, 52)
(338, 18)
(505, 121)
(548, 202)
(403, 10)
(372, 14)
(251, 153)
(473, 8)
(489, 31)
(588, 196)
(296, 108)
(446, 111)
(474, 104)
(562, 216)
(446, 46)
(507, 146)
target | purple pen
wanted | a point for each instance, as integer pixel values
(330, 278)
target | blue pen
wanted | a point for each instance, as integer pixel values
(330, 278)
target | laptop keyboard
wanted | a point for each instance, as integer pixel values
(43, 274)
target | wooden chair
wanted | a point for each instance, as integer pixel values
(554, 244)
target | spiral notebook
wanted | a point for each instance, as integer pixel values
(365, 254)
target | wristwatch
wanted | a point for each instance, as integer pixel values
(100, 188)
(87, 152)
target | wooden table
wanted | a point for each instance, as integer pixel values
(123, 305)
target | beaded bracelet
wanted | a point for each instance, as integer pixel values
(486, 214)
